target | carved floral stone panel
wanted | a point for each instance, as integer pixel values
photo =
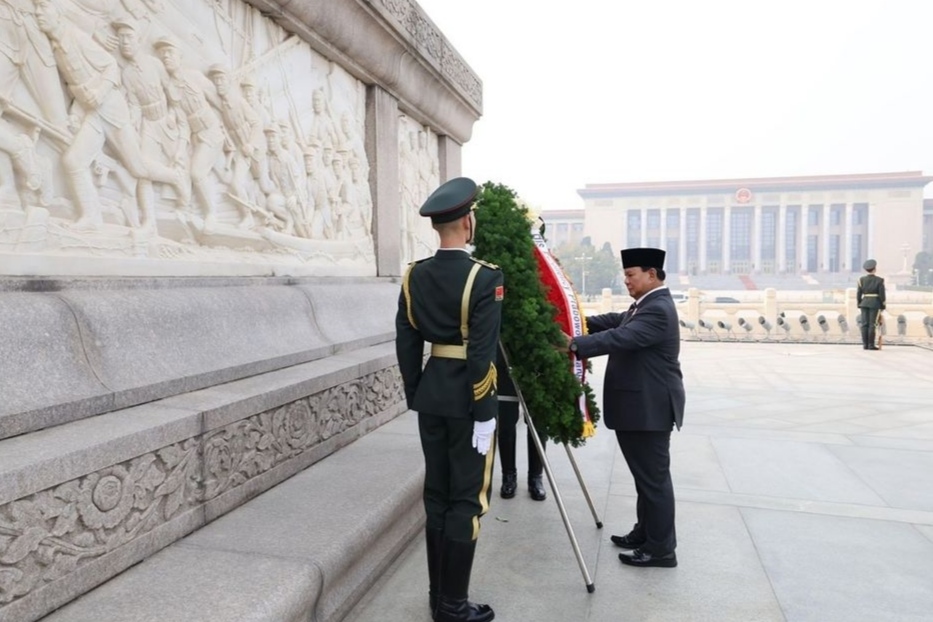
(175, 130)
(47, 535)
(433, 44)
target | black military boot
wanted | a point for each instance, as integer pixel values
(535, 468)
(454, 605)
(509, 484)
(507, 460)
(536, 487)
(434, 538)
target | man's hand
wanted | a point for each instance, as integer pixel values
(482, 435)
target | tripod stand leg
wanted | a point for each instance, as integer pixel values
(590, 586)
(586, 491)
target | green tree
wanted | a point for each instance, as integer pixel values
(601, 266)
(923, 264)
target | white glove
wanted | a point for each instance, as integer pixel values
(482, 435)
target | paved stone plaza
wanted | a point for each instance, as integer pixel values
(804, 481)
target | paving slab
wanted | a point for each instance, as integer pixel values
(802, 477)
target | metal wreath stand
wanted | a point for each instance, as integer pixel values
(590, 586)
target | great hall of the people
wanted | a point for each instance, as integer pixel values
(827, 224)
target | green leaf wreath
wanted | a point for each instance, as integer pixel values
(529, 329)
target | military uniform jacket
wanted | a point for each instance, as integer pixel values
(870, 292)
(643, 389)
(430, 310)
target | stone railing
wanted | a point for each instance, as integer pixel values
(806, 316)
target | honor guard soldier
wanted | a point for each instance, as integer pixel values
(870, 299)
(453, 302)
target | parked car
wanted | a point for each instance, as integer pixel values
(728, 299)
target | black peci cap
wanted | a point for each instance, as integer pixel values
(452, 200)
(643, 258)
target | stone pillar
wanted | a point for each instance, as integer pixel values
(693, 304)
(782, 239)
(682, 241)
(623, 234)
(870, 242)
(847, 241)
(727, 240)
(851, 309)
(804, 230)
(382, 152)
(605, 301)
(771, 311)
(824, 237)
(757, 240)
(450, 160)
(663, 215)
(644, 227)
(702, 243)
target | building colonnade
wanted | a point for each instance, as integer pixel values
(759, 238)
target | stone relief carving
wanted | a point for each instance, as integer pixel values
(47, 535)
(418, 177)
(177, 130)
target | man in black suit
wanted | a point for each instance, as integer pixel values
(454, 302)
(871, 301)
(643, 398)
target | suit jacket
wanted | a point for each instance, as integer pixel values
(643, 389)
(429, 310)
(870, 292)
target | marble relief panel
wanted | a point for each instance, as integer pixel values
(170, 129)
(419, 176)
(52, 533)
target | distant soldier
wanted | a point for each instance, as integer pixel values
(870, 299)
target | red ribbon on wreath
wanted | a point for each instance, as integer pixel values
(560, 293)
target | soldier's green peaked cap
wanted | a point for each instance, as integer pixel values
(452, 200)
(870, 264)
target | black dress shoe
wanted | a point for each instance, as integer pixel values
(872, 348)
(509, 485)
(628, 541)
(536, 488)
(644, 559)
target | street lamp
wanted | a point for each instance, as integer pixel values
(582, 259)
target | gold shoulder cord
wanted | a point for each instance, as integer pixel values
(407, 292)
(487, 384)
(465, 305)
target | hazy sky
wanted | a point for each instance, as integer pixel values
(597, 91)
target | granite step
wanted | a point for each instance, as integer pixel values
(307, 549)
(83, 501)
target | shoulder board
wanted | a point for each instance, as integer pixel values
(485, 263)
(423, 259)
